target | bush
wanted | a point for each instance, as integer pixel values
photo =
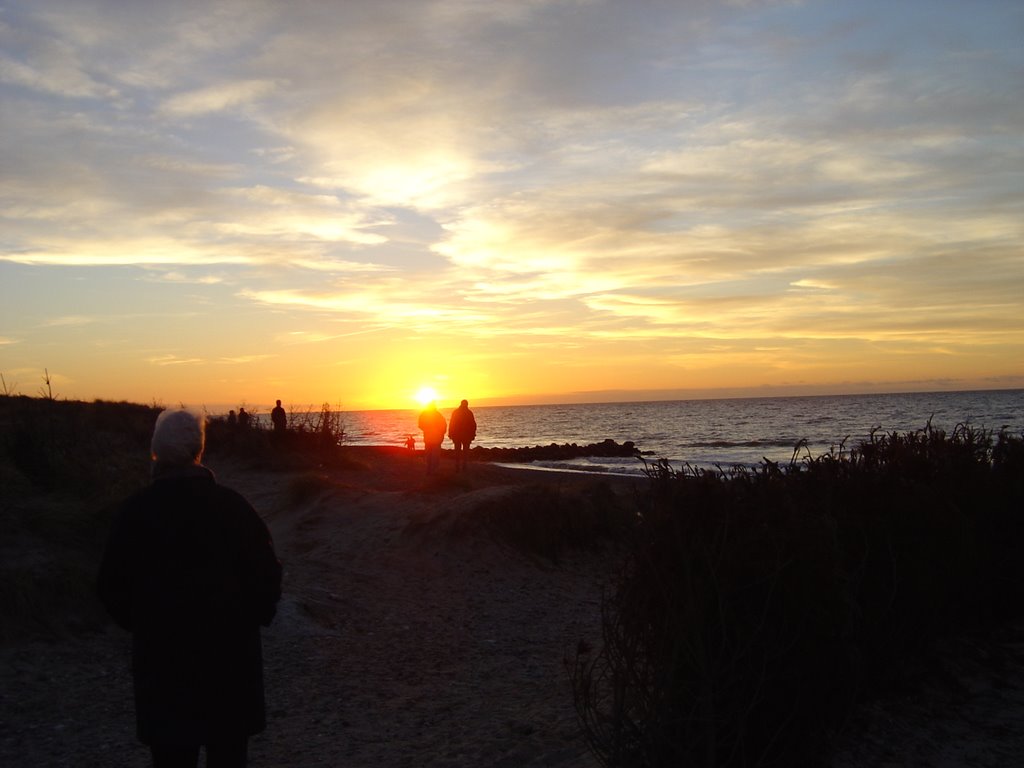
(313, 438)
(758, 605)
(546, 521)
(62, 465)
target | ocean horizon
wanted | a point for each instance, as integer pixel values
(708, 432)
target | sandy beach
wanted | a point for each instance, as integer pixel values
(407, 633)
(410, 634)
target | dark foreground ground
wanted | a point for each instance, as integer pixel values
(411, 634)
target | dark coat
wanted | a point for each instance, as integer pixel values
(462, 425)
(433, 425)
(190, 571)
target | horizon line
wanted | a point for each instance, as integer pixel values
(617, 397)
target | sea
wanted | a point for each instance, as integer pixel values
(709, 433)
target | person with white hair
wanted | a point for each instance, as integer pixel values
(190, 570)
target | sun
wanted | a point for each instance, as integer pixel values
(426, 394)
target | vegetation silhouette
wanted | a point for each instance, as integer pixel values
(758, 606)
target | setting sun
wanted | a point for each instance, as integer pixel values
(426, 395)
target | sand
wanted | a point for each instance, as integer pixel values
(408, 635)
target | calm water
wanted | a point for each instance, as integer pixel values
(709, 432)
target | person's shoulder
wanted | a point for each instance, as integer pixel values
(133, 503)
(230, 495)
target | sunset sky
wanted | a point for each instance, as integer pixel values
(520, 201)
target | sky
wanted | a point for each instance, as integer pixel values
(524, 201)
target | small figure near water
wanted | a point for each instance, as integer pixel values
(190, 570)
(433, 425)
(279, 419)
(243, 418)
(462, 431)
(410, 443)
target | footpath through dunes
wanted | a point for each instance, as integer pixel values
(411, 631)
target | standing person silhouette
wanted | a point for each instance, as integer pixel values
(462, 431)
(279, 419)
(433, 425)
(190, 570)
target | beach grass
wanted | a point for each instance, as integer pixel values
(63, 465)
(759, 606)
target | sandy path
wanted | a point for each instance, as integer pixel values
(418, 646)
(404, 638)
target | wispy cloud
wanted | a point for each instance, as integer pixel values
(217, 98)
(174, 360)
(70, 320)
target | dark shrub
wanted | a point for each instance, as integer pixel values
(546, 521)
(757, 605)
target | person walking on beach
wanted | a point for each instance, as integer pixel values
(462, 431)
(190, 570)
(433, 425)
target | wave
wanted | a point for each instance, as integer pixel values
(757, 443)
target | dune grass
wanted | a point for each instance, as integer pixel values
(547, 520)
(62, 466)
(758, 606)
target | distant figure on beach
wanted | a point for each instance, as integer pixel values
(433, 425)
(279, 419)
(243, 418)
(462, 431)
(232, 420)
(410, 443)
(190, 570)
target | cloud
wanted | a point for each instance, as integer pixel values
(59, 78)
(217, 98)
(145, 252)
(70, 320)
(244, 359)
(180, 277)
(173, 360)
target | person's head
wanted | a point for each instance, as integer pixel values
(278, 403)
(178, 438)
(464, 404)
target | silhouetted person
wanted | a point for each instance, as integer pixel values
(433, 425)
(243, 418)
(410, 443)
(190, 570)
(232, 420)
(279, 419)
(462, 431)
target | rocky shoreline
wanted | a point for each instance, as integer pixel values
(555, 452)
